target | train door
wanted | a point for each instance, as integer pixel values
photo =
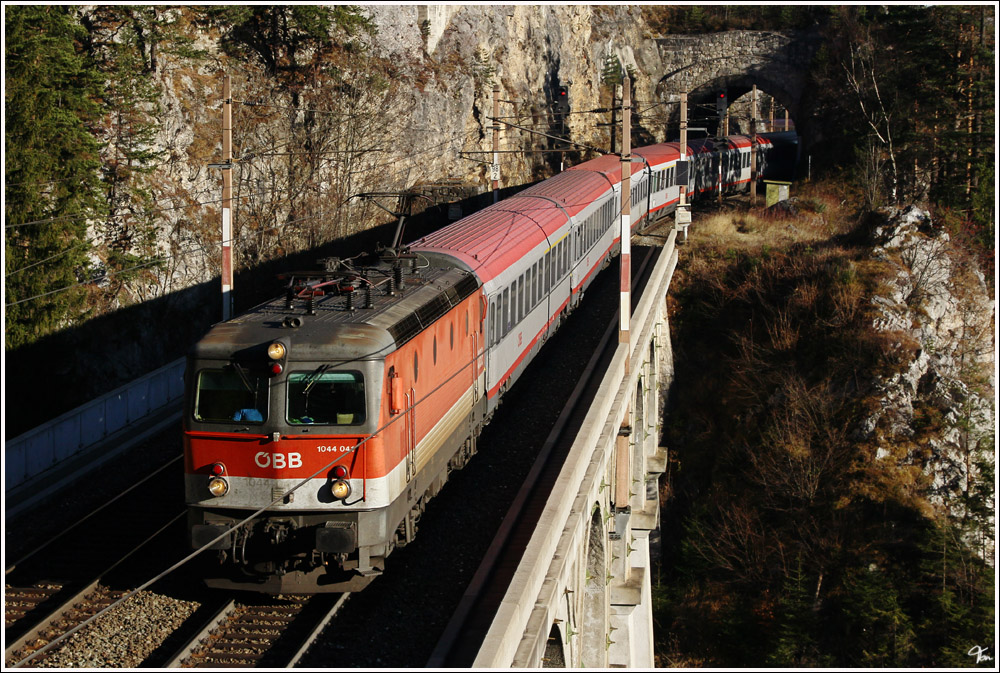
(491, 340)
(410, 433)
(478, 326)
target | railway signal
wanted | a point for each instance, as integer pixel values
(562, 100)
(721, 104)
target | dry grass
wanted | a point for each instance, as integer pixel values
(821, 215)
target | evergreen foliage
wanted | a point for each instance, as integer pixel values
(919, 123)
(287, 39)
(124, 42)
(51, 98)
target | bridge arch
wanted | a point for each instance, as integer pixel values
(555, 652)
(593, 637)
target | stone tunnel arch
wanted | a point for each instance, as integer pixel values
(701, 101)
(702, 65)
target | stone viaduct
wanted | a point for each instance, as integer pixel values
(733, 61)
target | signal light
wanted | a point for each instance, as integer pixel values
(562, 100)
(721, 104)
(340, 472)
(218, 469)
(276, 368)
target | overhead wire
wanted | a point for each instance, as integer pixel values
(473, 362)
(199, 246)
(83, 217)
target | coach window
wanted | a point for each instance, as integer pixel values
(529, 297)
(534, 285)
(231, 394)
(513, 302)
(506, 311)
(323, 397)
(518, 300)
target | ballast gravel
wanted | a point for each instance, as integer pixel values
(123, 637)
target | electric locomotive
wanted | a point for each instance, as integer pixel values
(306, 405)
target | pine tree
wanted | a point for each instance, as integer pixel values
(51, 169)
(876, 628)
(795, 642)
(123, 43)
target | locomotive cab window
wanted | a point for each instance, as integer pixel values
(232, 394)
(322, 397)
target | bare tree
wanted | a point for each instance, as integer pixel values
(301, 161)
(863, 74)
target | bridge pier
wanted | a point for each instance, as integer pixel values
(631, 622)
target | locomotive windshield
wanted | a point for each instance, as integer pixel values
(323, 397)
(231, 394)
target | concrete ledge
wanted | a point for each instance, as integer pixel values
(629, 593)
(45, 485)
(535, 596)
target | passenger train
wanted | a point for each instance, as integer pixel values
(317, 425)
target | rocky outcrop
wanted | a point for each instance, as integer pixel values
(448, 58)
(942, 399)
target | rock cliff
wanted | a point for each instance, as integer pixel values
(940, 406)
(447, 59)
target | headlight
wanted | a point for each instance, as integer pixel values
(341, 489)
(218, 486)
(276, 351)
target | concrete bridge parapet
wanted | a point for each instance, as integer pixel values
(582, 595)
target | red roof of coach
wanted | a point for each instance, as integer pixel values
(493, 239)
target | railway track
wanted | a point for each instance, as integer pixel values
(74, 611)
(463, 636)
(69, 578)
(402, 616)
(272, 632)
